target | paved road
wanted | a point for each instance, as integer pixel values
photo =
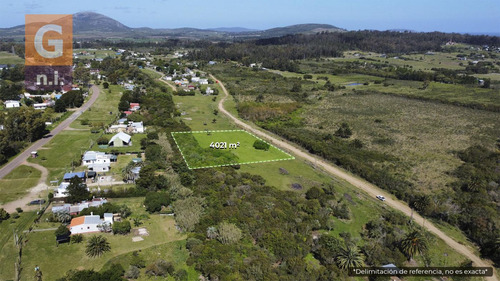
(14, 163)
(367, 187)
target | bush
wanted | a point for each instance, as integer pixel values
(262, 145)
(4, 215)
(84, 122)
(137, 260)
(77, 238)
(181, 275)
(19, 210)
(62, 230)
(102, 140)
(132, 272)
(122, 227)
(160, 268)
(155, 200)
(105, 85)
(191, 242)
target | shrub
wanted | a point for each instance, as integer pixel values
(77, 238)
(19, 210)
(84, 122)
(3, 215)
(160, 268)
(102, 140)
(132, 272)
(122, 227)
(61, 230)
(137, 260)
(262, 145)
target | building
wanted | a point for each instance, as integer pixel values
(95, 157)
(68, 176)
(99, 167)
(77, 208)
(86, 224)
(136, 127)
(120, 140)
(209, 91)
(117, 128)
(60, 191)
(12, 104)
(134, 106)
(203, 82)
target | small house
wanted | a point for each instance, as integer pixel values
(68, 176)
(95, 157)
(134, 106)
(120, 140)
(85, 224)
(136, 127)
(12, 104)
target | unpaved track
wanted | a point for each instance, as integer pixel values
(367, 187)
(33, 192)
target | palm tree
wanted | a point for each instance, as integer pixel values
(96, 246)
(349, 257)
(415, 242)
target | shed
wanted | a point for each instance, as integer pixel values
(121, 139)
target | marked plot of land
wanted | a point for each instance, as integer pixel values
(208, 149)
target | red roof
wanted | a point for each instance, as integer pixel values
(134, 104)
(128, 112)
(77, 221)
(67, 88)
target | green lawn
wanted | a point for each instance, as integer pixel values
(104, 110)
(62, 150)
(9, 58)
(17, 183)
(239, 149)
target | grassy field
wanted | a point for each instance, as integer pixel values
(9, 58)
(17, 183)
(94, 53)
(198, 153)
(422, 135)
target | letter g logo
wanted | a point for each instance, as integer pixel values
(56, 43)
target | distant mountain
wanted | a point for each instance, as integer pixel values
(301, 28)
(85, 22)
(94, 25)
(232, 29)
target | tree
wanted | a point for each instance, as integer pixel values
(96, 246)
(60, 106)
(105, 85)
(414, 243)
(77, 191)
(123, 105)
(62, 230)
(350, 256)
(62, 216)
(228, 233)
(188, 212)
(3, 215)
(155, 200)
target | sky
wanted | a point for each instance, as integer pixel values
(480, 16)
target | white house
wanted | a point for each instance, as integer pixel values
(99, 167)
(95, 157)
(195, 79)
(209, 91)
(89, 224)
(136, 127)
(203, 82)
(60, 191)
(12, 104)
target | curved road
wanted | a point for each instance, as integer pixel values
(14, 163)
(367, 187)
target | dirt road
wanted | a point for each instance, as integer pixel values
(14, 163)
(33, 192)
(367, 187)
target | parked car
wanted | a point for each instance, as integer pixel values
(37, 202)
(380, 197)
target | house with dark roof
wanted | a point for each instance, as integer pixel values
(68, 176)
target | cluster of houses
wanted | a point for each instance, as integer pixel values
(48, 99)
(127, 127)
(133, 107)
(183, 81)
